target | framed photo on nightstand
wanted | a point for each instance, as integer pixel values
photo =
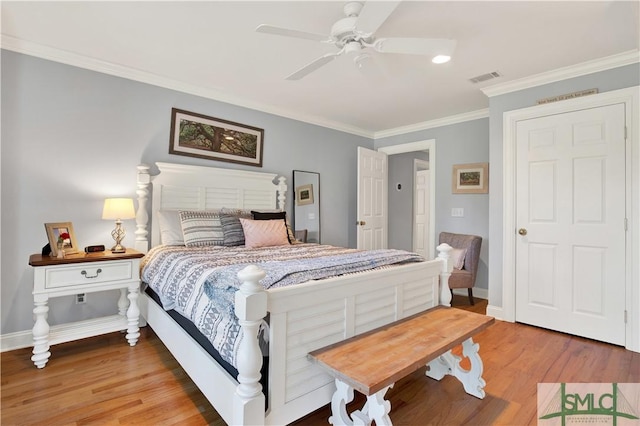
(61, 237)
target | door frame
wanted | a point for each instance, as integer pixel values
(428, 145)
(630, 97)
(421, 165)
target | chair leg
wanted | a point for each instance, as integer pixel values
(471, 296)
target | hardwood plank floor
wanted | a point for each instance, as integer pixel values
(103, 381)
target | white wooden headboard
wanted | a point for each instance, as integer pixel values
(183, 187)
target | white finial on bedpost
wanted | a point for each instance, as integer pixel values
(142, 217)
(282, 192)
(251, 308)
(444, 250)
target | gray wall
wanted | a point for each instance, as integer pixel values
(460, 143)
(400, 212)
(618, 78)
(72, 137)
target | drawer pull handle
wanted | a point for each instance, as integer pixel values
(91, 276)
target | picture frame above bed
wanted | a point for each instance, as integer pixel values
(201, 136)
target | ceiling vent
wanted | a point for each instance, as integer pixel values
(485, 77)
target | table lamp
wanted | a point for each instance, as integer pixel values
(118, 209)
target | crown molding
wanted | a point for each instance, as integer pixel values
(439, 122)
(57, 55)
(602, 64)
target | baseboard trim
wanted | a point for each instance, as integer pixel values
(480, 293)
(17, 340)
(495, 311)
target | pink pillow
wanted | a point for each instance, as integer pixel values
(264, 233)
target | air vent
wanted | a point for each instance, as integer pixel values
(485, 77)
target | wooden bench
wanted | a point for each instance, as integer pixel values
(372, 362)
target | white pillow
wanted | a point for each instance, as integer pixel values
(170, 228)
(264, 233)
(457, 257)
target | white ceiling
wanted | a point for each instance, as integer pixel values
(212, 48)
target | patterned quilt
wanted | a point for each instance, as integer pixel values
(200, 282)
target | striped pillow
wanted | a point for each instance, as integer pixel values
(233, 235)
(201, 228)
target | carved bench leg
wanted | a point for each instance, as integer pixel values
(376, 408)
(449, 364)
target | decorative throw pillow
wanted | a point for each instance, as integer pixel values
(201, 228)
(237, 212)
(170, 228)
(457, 257)
(231, 230)
(264, 233)
(273, 216)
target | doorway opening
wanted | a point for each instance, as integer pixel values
(428, 146)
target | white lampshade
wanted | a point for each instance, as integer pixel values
(118, 208)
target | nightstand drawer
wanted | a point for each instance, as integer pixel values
(89, 273)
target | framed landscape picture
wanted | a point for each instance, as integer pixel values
(197, 135)
(471, 178)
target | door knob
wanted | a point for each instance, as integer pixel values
(361, 222)
(522, 231)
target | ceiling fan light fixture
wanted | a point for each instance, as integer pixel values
(362, 60)
(441, 59)
(352, 47)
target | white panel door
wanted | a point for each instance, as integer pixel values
(421, 214)
(372, 199)
(570, 210)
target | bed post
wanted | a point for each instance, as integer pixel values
(447, 267)
(251, 308)
(282, 193)
(142, 217)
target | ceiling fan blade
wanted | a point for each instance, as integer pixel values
(309, 68)
(373, 15)
(416, 46)
(270, 29)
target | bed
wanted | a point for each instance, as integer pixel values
(301, 318)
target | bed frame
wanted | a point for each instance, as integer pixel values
(302, 318)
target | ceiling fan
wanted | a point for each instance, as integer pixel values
(355, 33)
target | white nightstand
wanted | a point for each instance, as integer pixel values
(84, 273)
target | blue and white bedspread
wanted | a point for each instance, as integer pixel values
(200, 282)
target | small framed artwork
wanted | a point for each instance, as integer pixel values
(304, 195)
(61, 237)
(471, 178)
(197, 135)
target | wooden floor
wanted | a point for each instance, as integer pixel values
(103, 381)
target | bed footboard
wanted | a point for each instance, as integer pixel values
(314, 315)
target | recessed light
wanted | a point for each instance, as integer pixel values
(441, 59)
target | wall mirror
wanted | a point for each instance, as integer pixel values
(306, 205)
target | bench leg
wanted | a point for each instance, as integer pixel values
(376, 408)
(449, 364)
